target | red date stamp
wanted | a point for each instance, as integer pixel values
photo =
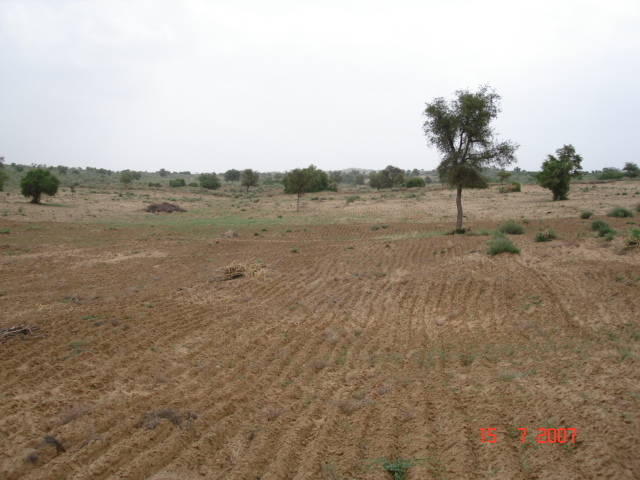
(545, 435)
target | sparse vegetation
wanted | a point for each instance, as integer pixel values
(501, 244)
(544, 236)
(619, 212)
(397, 467)
(586, 215)
(602, 227)
(511, 227)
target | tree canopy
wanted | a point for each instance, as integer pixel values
(210, 181)
(557, 172)
(249, 178)
(232, 175)
(303, 180)
(39, 181)
(461, 130)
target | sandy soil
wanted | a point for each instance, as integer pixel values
(353, 345)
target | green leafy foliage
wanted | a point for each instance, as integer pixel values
(586, 215)
(557, 172)
(619, 212)
(210, 181)
(232, 175)
(414, 182)
(4, 176)
(461, 130)
(37, 182)
(602, 227)
(126, 177)
(397, 467)
(501, 244)
(178, 182)
(388, 178)
(249, 178)
(511, 227)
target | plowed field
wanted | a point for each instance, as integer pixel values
(368, 335)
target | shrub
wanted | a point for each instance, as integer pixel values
(164, 207)
(4, 176)
(638, 207)
(598, 224)
(602, 227)
(586, 215)
(512, 227)
(194, 184)
(352, 198)
(414, 182)
(633, 240)
(512, 187)
(178, 182)
(619, 212)
(375, 227)
(39, 181)
(501, 244)
(544, 236)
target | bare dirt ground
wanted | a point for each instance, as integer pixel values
(353, 344)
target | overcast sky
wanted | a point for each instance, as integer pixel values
(275, 85)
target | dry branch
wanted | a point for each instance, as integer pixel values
(10, 332)
(236, 270)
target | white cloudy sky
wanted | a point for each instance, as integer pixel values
(276, 84)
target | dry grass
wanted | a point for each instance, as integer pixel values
(237, 270)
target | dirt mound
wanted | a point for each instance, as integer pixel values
(164, 207)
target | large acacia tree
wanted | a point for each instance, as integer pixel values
(461, 130)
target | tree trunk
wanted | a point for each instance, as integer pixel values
(459, 205)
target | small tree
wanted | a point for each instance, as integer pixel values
(461, 131)
(335, 176)
(297, 181)
(163, 173)
(503, 175)
(631, 170)
(4, 176)
(557, 172)
(126, 177)
(232, 175)
(39, 181)
(210, 181)
(249, 178)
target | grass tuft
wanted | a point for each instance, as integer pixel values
(501, 244)
(512, 228)
(619, 212)
(545, 236)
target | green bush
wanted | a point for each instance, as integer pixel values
(194, 184)
(178, 182)
(414, 182)
(210, 181)
(544, 236)
(39, 181)
(602, 227)
(501, 244)
(512, 227)
(586, 215)
(619, 212)
(375, 227)
(352, 198)
(638, 207)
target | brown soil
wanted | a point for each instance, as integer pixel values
(352, 344)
